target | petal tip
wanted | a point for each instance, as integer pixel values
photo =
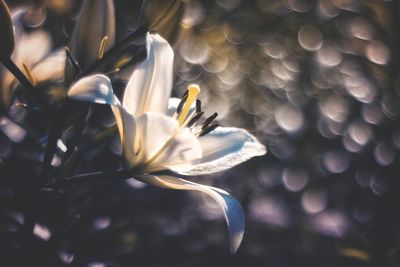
(235, 242)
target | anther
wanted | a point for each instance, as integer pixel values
(209, 129)
(185, 95)
(195, 118)
(209, 120)
(183, 101)
(198, 106)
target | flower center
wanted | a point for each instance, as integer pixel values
(189, 120)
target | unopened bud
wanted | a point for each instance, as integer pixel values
(6, 32)
(155, 13)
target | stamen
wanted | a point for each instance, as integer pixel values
(183, 101)
(193, 91)
(209, 120)
(27, 107)
(29, 73)
(198, 106)
(195, 119)
(208, 129)
(185, 95)
(102, 47)
(22, 105)
(123, 61)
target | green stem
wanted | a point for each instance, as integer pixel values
(96, 176)
(115, 50)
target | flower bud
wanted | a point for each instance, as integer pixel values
(7, 43)
(156, 13)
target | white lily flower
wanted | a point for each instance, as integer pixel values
(155, 139)
(43, 64)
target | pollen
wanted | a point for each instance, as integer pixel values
(193, 91)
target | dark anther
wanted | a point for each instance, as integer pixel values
(195, 118)
(198, 106)
(209, 129)
(182, 103)
(185, 95)
(209, 120)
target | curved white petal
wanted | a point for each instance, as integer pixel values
(32, 47)
(95, 88)
(164, 145)
(96, 20)
(233, 212)
(51, 68)
(150, 85)
(17, 18)
(182, 154)
(126, 124)
(224, 148)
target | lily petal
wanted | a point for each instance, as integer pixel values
(51, 68)
(95, 88)
(224, 148)
(173, 103)
(96, 20)
(126, 124)
(164, 145)
(150, 85)
(182, 154)
(231, 208)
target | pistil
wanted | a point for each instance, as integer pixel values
(193, 91)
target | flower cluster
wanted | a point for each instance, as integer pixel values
(164, 140)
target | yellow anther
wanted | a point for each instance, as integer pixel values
(30, 75)
(193, 91)
(102, 47)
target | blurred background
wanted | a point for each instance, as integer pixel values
(316, 81)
